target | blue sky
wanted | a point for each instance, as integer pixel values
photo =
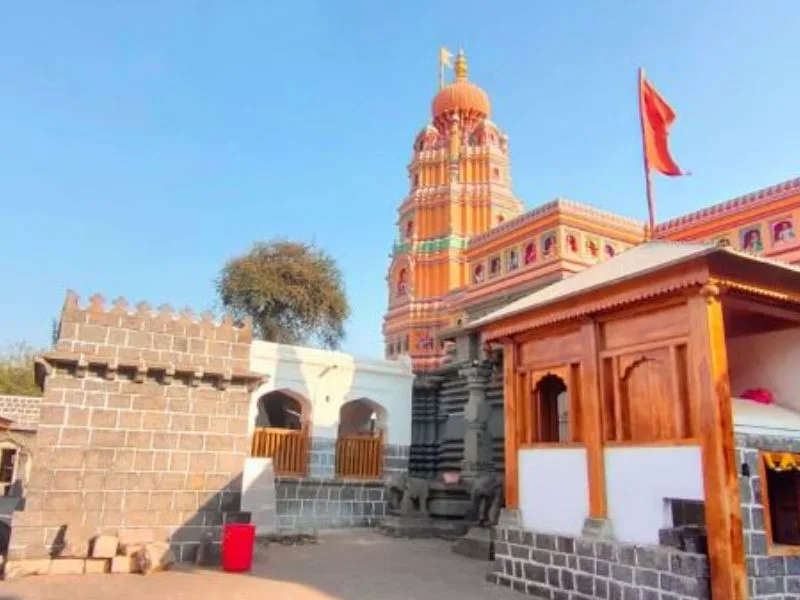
(144, 143)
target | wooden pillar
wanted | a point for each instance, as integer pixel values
(510, 417)
(710, 388)
(592, 421)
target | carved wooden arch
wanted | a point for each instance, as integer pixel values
(647, 388)
(536, 417)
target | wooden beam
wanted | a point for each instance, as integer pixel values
(710, 388)
(592, 421)
(511, 416)
(763, 308)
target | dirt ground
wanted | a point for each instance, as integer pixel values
(360, 565)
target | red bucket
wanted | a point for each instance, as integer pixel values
(237, 547)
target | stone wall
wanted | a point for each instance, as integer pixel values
(568, 568)
(143, 425)
(321, 501)
(774, 577)
(23, 411)
(308, 503)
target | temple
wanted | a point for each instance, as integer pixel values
(467, 247)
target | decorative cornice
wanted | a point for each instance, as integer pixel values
(559, 205)
(140, 369)
(733, 206)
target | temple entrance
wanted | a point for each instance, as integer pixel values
(282, 430)
(359, 444)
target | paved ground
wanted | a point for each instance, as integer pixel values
(343, 566)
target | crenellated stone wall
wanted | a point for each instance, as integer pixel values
(143, 425)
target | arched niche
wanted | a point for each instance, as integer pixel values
(362, 417)
(552, 405)
(283, 409)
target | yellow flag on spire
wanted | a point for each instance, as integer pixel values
(445, 60)
(445, 57)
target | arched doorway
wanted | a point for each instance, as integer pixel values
(282, 431)
(359, 445)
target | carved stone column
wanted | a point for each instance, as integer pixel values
(477, 439)
(424, 425)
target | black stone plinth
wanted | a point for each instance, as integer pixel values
(478, 543)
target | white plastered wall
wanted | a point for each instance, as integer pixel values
(639, 480)
(767, 360)
(329, 379)
(553, 489)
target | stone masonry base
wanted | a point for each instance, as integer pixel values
(308, 503)
(569, 568)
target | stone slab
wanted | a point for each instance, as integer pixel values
(105, 546)
(124, 564)
(422, 527)
(598, 529)
(15, 569)
(97, 565)
(478, 543)
(67, 566)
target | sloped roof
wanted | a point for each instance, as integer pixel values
(644, 258)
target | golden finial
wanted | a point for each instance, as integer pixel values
(461, 66)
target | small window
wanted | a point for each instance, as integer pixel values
(552, 403)
(7, 465)
(783, 497)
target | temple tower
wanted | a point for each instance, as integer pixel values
(460, 186)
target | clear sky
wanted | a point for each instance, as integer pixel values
(144, 143)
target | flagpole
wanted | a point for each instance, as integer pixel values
(651, 209)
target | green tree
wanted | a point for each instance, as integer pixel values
(293, 291)
(16, 371)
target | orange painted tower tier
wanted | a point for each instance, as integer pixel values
(460, 186)
(466, 248)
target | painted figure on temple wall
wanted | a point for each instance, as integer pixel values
(549, 245)
(751, 239)
(478, 274)
(409, 228)
(572, 243)
(402, 283)
(723, 242)
(593, 247)
(530, 253)
(513, 259)
(609, 250)
(495, 266)
(782, 231)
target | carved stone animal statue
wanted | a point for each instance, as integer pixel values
(395, 489)
(487, 496)
(416, 493)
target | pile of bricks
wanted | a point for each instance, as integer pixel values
(134, 551)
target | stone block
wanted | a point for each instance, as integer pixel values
(67, 566)
(125, 564)
(15, 569)
(156, 556)
(97, 565)
(105, 546)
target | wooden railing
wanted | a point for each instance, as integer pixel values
(359, 456)
(288, 449)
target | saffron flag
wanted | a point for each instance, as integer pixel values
(657, 117)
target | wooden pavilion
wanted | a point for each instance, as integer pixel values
(618, 392)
